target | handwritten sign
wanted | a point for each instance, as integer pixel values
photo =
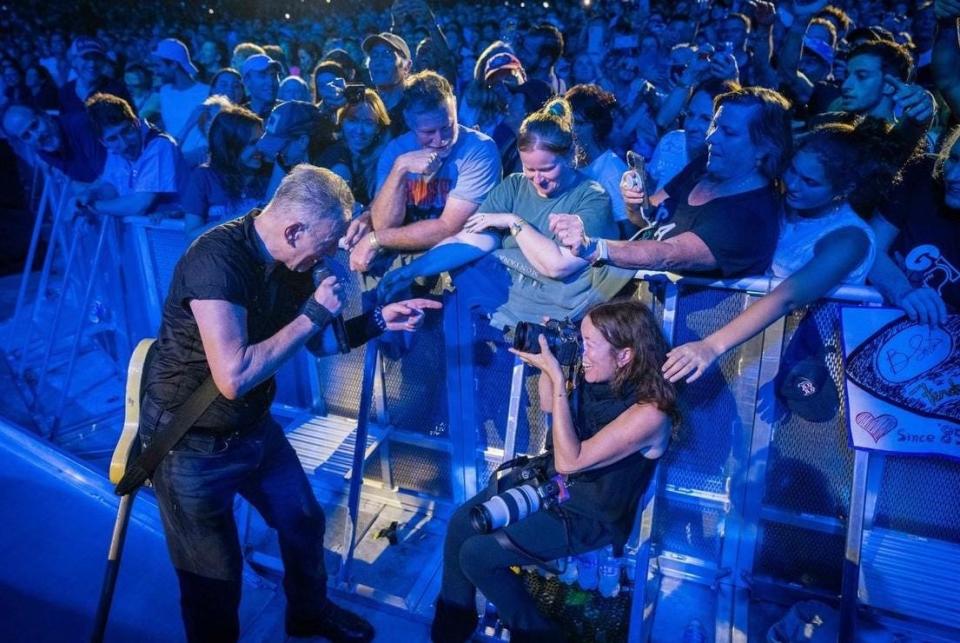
(902, 382)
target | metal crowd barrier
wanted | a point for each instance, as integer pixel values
(72, 306)
(755, 508)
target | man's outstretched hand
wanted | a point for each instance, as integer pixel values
(408, 314)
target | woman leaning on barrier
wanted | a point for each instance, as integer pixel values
(606, 435)
(836, 172)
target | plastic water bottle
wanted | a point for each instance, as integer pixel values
(588, 570)
(630, 562)
(609, 583)
(570, 571)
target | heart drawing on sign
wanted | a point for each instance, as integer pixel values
(877, 427)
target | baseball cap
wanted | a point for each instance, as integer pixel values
(175, 51)
(86, 45)
(286, 121)
(391, 40)
(259, 62)
(820, 48)
(809, 391)
(501, 63)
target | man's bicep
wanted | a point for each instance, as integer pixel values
(222, 327)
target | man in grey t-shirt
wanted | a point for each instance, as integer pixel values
(429, 180)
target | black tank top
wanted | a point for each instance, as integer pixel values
(609, 494)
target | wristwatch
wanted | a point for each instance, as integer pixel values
(372, 240)
(516, 227)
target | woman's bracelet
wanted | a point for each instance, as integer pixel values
(378, 318)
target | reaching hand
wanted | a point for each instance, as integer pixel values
(362, 254)
(924, 306)
(723, 66)
(358, 228)
(407, 315)
(330, 295)
(490, 221)
(690, 359)
(569, 231)
(544, 360)
(763, 12)
(917, 103)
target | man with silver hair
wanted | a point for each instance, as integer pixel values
(242, 303)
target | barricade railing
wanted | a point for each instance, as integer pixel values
(753, 504)
(77, 297)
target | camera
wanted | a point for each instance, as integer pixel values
(537, 491)
(563, 339)
(354, 92)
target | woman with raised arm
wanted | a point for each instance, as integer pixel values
(606, 436)
(837, 172)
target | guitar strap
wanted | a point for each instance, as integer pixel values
(146, 463)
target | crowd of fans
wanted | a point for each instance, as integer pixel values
(811, 139)
(541, 152)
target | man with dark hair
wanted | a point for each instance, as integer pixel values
(80, 157)
(240, 305)
(593, 111)
(143, 168)
(539, 50)
(429, 180)
(876, 72)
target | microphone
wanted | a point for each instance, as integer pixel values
(321, 272)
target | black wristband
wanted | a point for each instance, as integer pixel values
(316, 312)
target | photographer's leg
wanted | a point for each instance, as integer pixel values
(456, 613)
(487, 565)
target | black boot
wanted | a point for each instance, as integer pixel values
(334, 623)
(452, 623)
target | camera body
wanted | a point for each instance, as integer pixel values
(563, 339)
(354, 92)
(537, 490)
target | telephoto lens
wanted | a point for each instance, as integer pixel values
(505, 508)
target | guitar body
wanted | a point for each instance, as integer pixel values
(128, 446)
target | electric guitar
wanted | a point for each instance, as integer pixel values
(128, 446)
(127, 449)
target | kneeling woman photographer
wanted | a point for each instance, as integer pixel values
(605, 438)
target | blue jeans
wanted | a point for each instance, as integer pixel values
(196, 485)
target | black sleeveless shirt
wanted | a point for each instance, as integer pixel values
(609, 494)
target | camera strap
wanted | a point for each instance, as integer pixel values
(508, 544)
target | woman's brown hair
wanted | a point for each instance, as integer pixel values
(628, 323)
